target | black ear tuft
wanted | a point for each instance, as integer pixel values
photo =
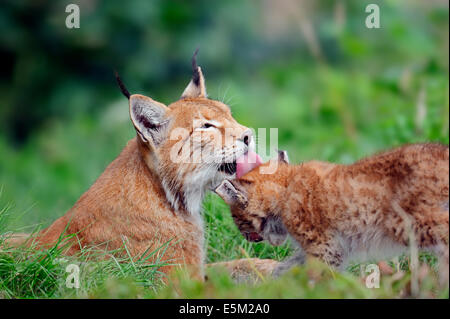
(196, 87)
(283, 156)
(195, 73)
(123, 89)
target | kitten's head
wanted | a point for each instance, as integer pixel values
(253, 202)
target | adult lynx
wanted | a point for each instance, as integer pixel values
(145, 197)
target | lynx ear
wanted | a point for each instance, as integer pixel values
(283, 156)
(230, 194)
(196, 87)
(149, 118)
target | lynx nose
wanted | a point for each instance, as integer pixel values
(247, 137)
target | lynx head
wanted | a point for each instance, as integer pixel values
(192, 144)
(254, 204)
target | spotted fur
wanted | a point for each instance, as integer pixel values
(375, 207)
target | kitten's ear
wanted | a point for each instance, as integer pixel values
(149, 118)
(196, 87)
(230, 194)
(283, 156)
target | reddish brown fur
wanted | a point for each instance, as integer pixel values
(335, 211)
(143, 198)
(127, 203)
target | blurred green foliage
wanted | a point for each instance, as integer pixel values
(335, 90)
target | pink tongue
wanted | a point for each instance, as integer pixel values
(246, 163)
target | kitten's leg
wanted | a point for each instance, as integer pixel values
(248, 269)
(436, 240)
(430, 227)
(428, 224)
(297, 259)
(438, 234)
(329, 251)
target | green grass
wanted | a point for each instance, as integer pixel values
(313, 280)
(27, 272)
(30, 273)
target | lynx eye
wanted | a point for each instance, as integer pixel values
(207, 125)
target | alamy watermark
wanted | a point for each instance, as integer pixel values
(373, 19)
(373, 279)
(213, 146)
(73, 18)
(73, 278)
